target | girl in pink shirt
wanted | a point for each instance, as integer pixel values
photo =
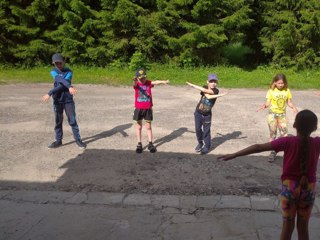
(143, 107)
(300, 160)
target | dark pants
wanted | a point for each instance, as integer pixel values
(203, 128)
(69, 108)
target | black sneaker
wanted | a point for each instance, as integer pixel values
(139, 148)
(204, 151)
(199, 147)
(81, 144)
(152, 148)
(55, 144)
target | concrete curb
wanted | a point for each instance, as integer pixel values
(257, 203)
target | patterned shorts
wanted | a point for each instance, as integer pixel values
(277, 121)
(295, 200)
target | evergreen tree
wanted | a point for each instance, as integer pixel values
(291, 32)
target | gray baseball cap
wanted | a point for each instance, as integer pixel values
(57, 57)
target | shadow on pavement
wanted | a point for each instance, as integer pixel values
(118, 129)
(162, 173)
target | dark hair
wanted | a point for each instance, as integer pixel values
(306, 122)
(278, 77)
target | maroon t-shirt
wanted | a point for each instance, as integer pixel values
(291, 162)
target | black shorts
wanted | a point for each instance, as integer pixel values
(140, 114)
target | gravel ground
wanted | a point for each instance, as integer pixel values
(110, 163)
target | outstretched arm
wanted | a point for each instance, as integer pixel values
(158, 82)
(256, 148)
(210, 96)
(202, 89)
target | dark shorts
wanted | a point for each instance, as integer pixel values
(140, 114)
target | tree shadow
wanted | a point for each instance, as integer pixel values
(118, 129)
(112, 170)
(217, 141)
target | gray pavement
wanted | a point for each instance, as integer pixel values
(100, 215)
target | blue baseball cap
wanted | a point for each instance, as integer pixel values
(140, 73)
(57, 57)
(212, 76)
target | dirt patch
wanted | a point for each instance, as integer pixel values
(110, 163)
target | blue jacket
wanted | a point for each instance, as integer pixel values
(62, 83)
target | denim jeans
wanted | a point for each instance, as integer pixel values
(69, 108)
(203, 128)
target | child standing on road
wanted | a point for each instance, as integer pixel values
(143, 106)
(203, 113)
(62, 95)
(301, 154)
(278, 97)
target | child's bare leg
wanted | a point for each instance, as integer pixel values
(302, 227)
(138, 130)
(149, 131)
(287, 229)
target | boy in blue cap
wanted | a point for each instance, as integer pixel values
(203, 113)
(62, 95)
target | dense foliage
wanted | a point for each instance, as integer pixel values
(285, 33)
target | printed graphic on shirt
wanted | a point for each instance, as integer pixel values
(205, 105)
(278, 100)
(143, 95)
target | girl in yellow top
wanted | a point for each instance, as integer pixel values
(278, 97)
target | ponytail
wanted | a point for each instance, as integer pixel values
(303, 162)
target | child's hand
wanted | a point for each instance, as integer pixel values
(72, 90)
(166, 81)
(45, 98)
(190, 84)
(262, 107)
(134, 79)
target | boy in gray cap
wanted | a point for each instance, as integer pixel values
(62, 95)
(203, 113)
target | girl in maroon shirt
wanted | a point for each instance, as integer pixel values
(301, 154)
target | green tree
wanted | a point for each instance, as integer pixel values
(291, 32)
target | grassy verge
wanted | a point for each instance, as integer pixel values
(230, 77)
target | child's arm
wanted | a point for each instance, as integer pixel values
(291, 104)
(51, 92)
(256, 148)
(264, 106)
(59, 88)
(202, 89)
(158, 82)
(135, 81)
(210, 96)
(64, 81)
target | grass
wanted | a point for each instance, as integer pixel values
(230, 77)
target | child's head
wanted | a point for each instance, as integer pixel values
(58, 61)
(306, 122)
(212, 80)
(141, 75)
(279, 81)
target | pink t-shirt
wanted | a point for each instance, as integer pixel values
(143, 96)
(291, 163)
